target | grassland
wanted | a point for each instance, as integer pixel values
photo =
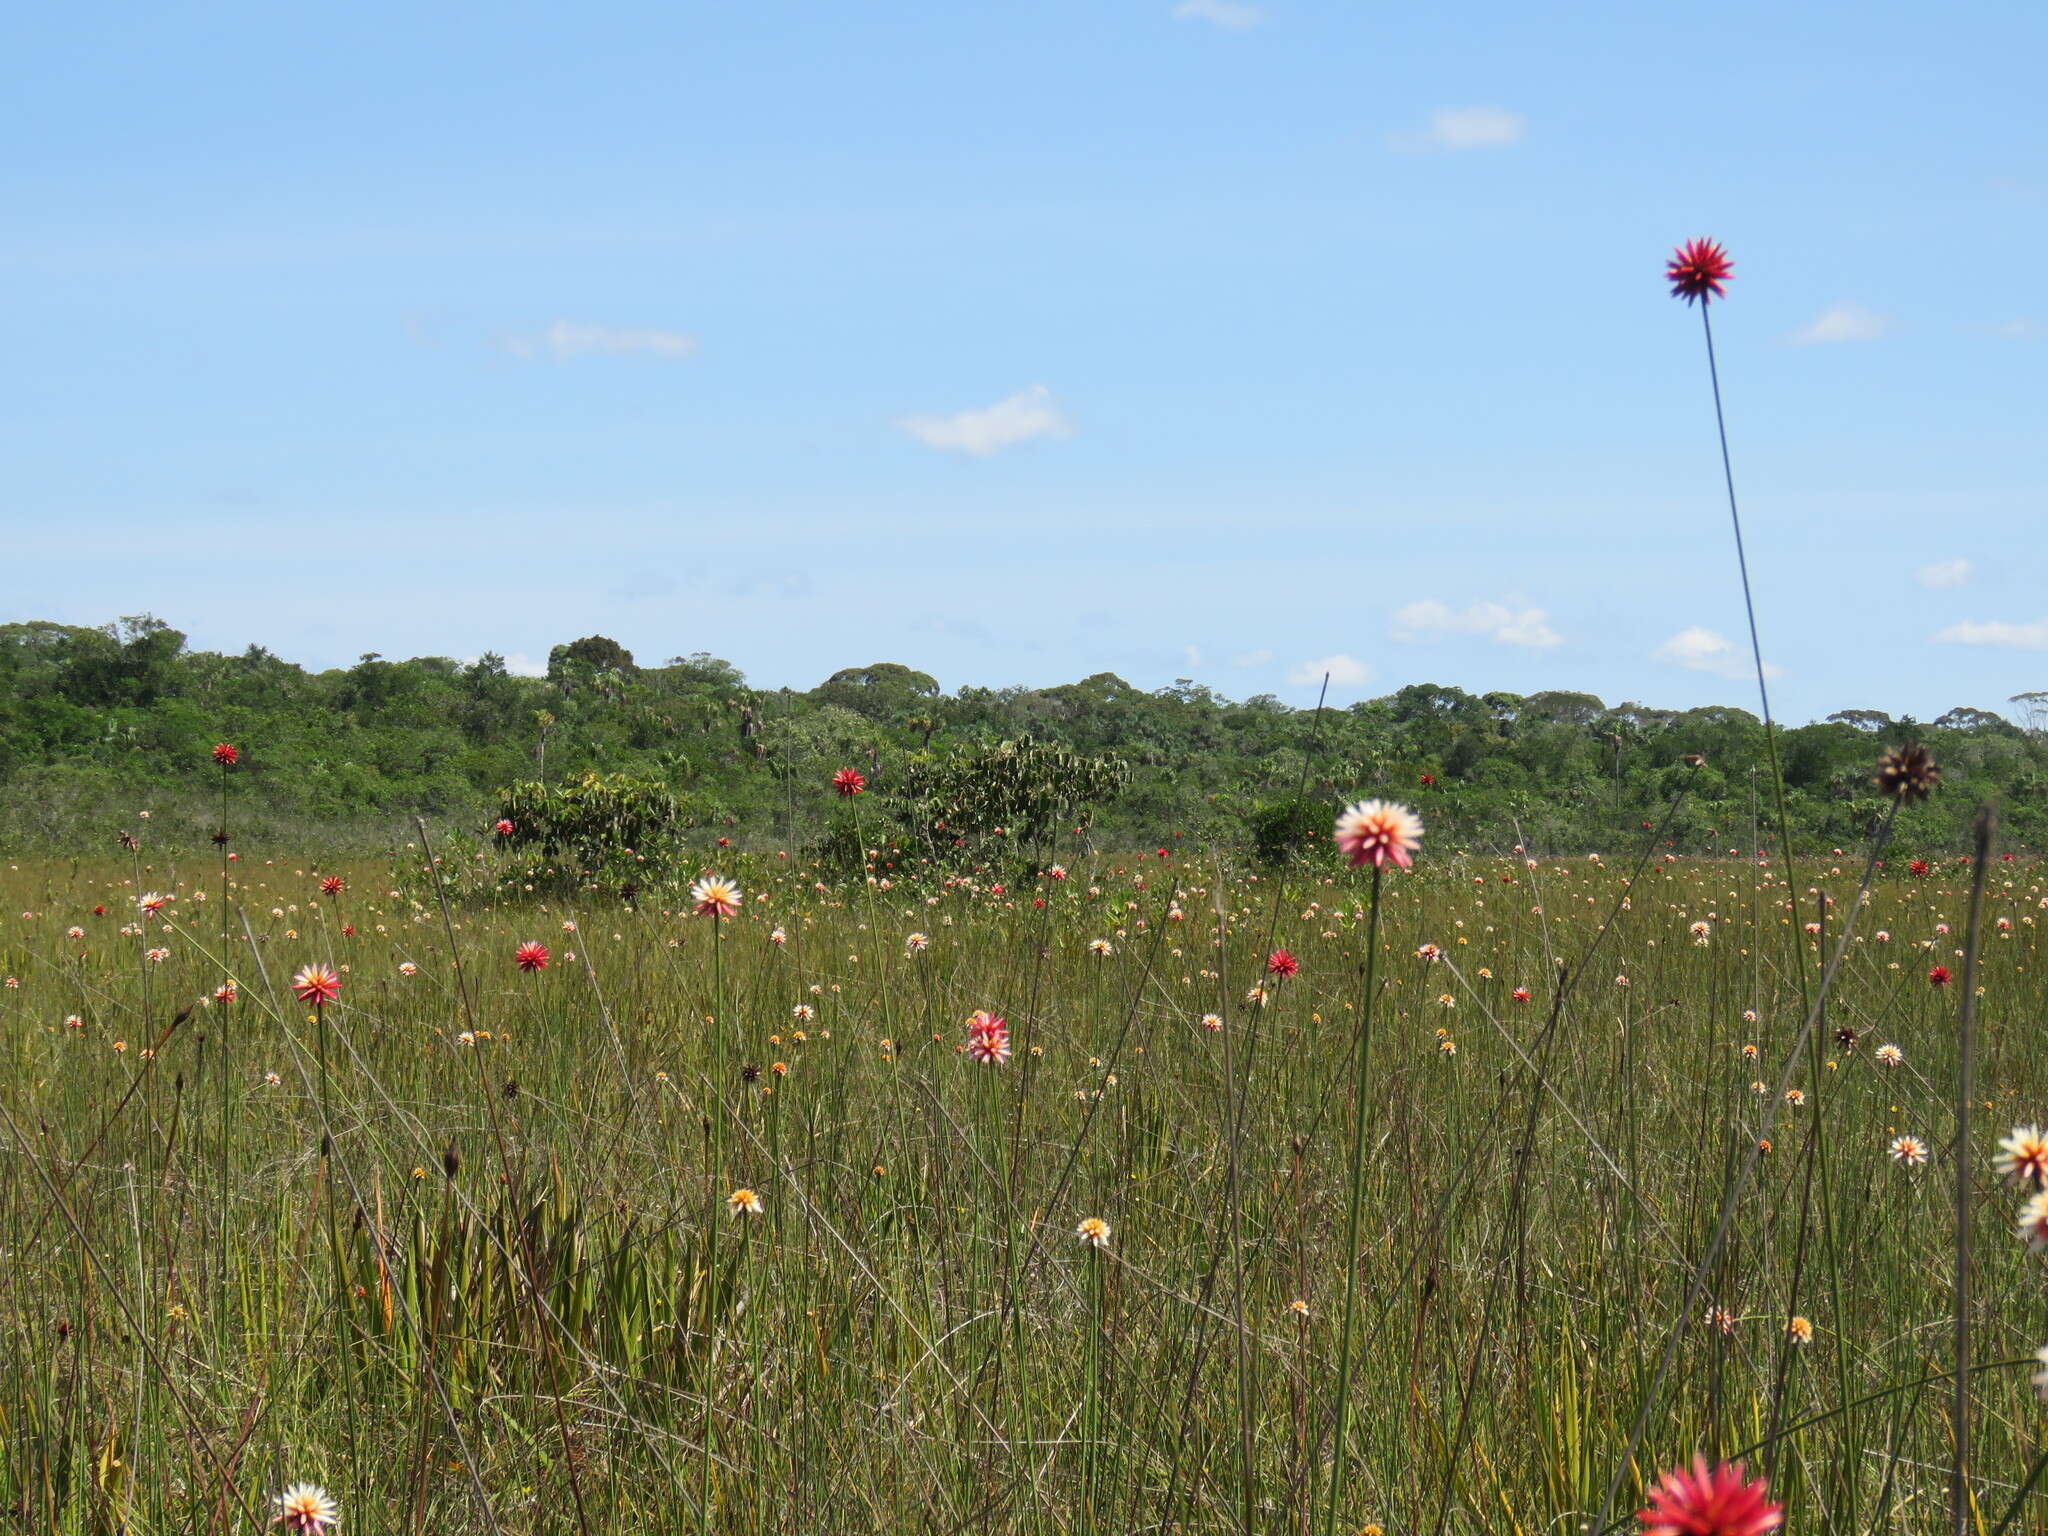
(460, 1246)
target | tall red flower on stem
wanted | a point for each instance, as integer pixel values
(848, 782)
(1709, 1501)
(504, 827)
(1699, 269)
(1938, 977)
(226, 755)
(1281, 963)
(317, 984)
(332, 885)
(531, 956)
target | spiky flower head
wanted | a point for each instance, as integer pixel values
(1908, 1151)
(1709, 1501)
(2023, 1156)
(1907, 773)
(1698, 270)
(743, 1202)
(306, 1509)
(317, 984)
(1376, 832)
(531, 956)
(715, 896)
(226, 754)
(848, 782)
(1093, 1231)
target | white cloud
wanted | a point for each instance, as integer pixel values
(1699, 649)
(1844, 322)
(519, 664)
(1252, 659)
(566, 339)
(1943, 573)
(2021, 329)
(1194, 656)
(1222, 13)
(2017, 637)
(1028, 414)
(1528, 627)
(1345, 671)
(1466, 128)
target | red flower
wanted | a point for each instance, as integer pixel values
(348, 930)
(1281, 963)
(332, 885)
(1918, 869)
(316, 984)
(503, 828)
(848, 782)
(1429, 781)
(531, 956)
(1938, 976)
(1520, 994)
(1709, 1501)
(99, 911)
(1164, 854)
(1697, 270)
(226, 755)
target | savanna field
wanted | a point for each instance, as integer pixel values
(1015, 1198)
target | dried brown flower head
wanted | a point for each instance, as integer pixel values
(1907, 773)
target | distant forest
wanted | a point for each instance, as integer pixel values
(96, 723)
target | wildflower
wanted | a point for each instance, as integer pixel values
(1256, 997)
(1889, 1056)
(2033, 1223)
(2041, 1376)
(1101, 949)
(990, 1048)
(1212, 1022)
(743, 1202)
(715, 896)
(1447, 1047)
(225, 992)
(1281, 963)
(332, 885)
(848, 782)
(778, 937)
(1847, 1038)
(1722, 1319)
(531, 956)
(803, 1013)
(1093, 1231)
(1907, 1151)
(2023, 1156)
(150, 903)
(1298, 1307)
(154, 956)
(1938, 976)
(1520, 994)
(407, 968)
(1702, 932)
(1907, 773)
(1376, 831)
(316, 984)
(226, 755)
(1919, 869)
(1799, 1330)
(1428, 954)
(305, 1509)
(1699, 269)
(1795, 1096)
(503, 827)
(271, 1079)
(916, 942)
(74, 933)
(1707, 1501)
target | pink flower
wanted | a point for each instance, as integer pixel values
(1699, 269)
(1281, 963)
(1708, 1501)
(504, 827)
(317, 984)
(848, 782)
(531, 956)
(1376, 831)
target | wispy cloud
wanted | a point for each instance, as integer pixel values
(1025, 416)
(2012, 637)
(1252, 659)
(567, 339)
(1529, 627)
(1345, 672)
(1452, 128)
(1699, 649)
(1227, 14)
(1943, 573)
(1844, 322)
(2021, 328)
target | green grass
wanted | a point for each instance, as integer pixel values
(199, 1307)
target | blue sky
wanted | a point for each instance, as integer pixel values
(1019, 342)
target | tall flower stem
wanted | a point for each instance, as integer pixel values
(1347, 1336)
(1966, 1090)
